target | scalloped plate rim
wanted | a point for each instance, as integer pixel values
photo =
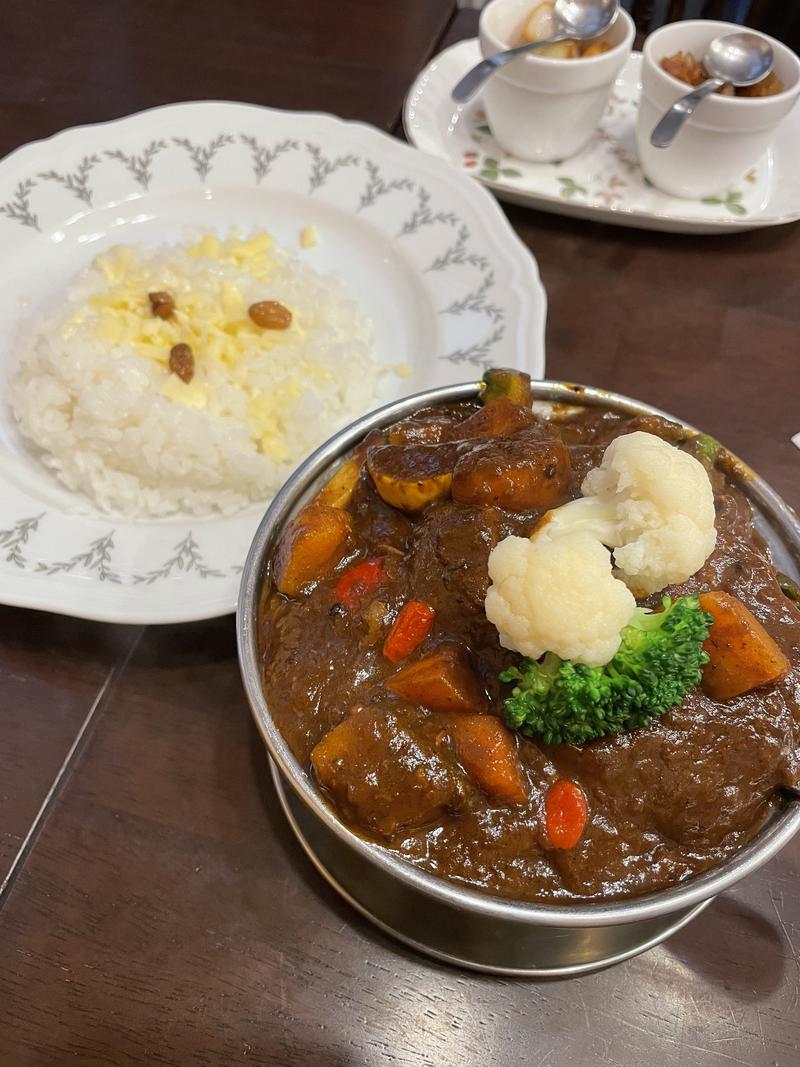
(84, 595)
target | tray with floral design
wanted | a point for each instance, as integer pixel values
(428, 255)
(604, 181)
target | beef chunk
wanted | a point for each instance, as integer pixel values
(382, 769)
(451, 552)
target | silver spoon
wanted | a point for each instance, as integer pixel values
(577, 20)
(735, 59)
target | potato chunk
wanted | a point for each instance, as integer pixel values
(409, 477)
(521, 473)
(742, 654)
(310, 544)
(340, 488)
(382, 770)
(486, 750)
(442, 681)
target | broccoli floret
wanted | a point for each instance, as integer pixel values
(660, 658)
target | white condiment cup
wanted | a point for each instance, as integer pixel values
(727, 135)
(544, 109)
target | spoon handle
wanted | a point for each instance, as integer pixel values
(667, 128)
(474, 79)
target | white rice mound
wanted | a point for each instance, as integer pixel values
(98, 413)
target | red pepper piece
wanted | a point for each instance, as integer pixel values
(358, 582)
(565, 811)
(409, 630)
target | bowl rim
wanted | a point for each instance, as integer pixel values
(772, 836)
(556, 62)
(724, 102)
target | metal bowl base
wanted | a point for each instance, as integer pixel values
(444, 919)
(479, 942)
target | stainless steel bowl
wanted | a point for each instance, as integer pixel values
(441, 918)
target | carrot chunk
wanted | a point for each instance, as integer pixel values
(410, 628)
(565, 813)
(358, 582)
(310, 544)
(442, 681)
(486, 750)
(742, 655)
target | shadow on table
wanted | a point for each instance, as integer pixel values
(301, 864)
(734, 947)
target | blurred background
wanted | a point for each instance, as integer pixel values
(781, 18)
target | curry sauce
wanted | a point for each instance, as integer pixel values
(661, 804)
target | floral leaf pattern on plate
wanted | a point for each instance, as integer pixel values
(78, 181)
(476, 301)
(96, 559)
(202, 156)
(478, 354)
(458, 253)
(323, 167)
(569, 187)
(732, 201)
(139, 166)
(492, 169)
(187, 558)
(264, 156)
(423, 215)
(19, 207)
(13, 540)
(378, 186)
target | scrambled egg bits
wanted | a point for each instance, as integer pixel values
(158, 306)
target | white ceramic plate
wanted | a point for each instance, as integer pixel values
(429, 255)
(604, 181)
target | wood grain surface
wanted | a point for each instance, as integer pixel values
(160, 910)
(53, 672)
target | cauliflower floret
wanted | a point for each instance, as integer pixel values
(557, 594)
(652, 504)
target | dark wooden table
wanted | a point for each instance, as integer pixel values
(154, 905)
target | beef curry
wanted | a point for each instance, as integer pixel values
(381, 669)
